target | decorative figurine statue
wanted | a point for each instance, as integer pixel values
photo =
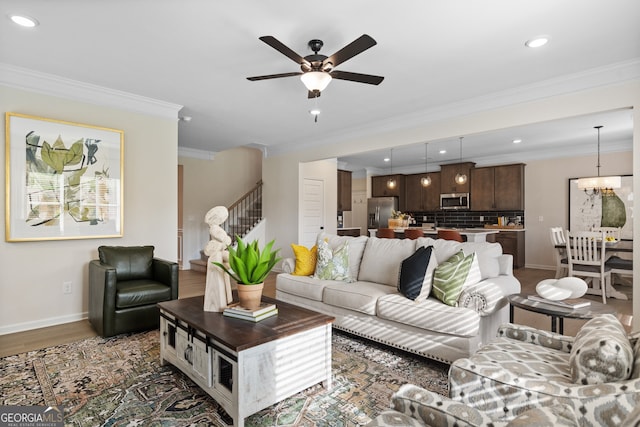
(217, 294)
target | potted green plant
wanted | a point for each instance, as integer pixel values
(249, 266)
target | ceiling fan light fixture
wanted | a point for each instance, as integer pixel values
(316, 80)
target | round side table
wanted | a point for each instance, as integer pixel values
(557, 313)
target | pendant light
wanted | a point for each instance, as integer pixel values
(425, 181)
(460, 178)
(391, 182)
(599, 183)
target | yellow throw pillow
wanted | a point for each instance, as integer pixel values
(305, 260)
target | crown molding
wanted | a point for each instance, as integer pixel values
(612, 74)
(196, 154)
(49, 84)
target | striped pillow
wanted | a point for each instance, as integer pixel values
(450, 276)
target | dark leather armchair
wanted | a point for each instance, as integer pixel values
(125, 285)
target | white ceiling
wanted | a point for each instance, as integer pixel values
(198, 53)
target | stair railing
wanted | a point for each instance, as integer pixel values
(245, 213)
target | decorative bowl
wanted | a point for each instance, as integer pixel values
(559, 289)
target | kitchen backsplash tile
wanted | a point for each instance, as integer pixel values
(466, 219)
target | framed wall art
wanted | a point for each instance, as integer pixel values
(64, 180)
(609, 208)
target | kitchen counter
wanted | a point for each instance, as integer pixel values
(472, 234)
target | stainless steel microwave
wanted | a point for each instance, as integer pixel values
(454, 201)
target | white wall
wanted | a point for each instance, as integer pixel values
(210, 183)
(33, 272)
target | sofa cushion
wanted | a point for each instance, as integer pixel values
(359, 296)
(356, 249)
(305, 259)
(381, 260)
(332, 264)
(130, 262)
(601, 352)
(488, 253)
(453, 275)
(412, 272)
(302, 286)
(429, 314)
(427, 283)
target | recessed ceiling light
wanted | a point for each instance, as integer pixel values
(517, 141)
(537, 41)
(443, 151)
(386, 159)
(24, 21)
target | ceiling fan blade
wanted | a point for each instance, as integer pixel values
(273, 76)
(357, 46)
(286, 51)
(357, 77)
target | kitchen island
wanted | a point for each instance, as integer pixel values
(471, 234)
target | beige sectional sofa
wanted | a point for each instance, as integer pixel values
(372, 306)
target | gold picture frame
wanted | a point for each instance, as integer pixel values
(64, 180)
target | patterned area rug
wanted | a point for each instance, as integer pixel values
(119, 382)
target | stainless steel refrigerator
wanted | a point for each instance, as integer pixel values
(379, 211)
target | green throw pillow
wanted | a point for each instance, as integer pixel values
(450, 276)
(332, 265)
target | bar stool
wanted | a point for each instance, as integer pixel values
(386, 233)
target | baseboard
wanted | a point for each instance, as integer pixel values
(540, 267)
(42, 323)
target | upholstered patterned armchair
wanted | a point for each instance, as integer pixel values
(125, 285)
(596, 373)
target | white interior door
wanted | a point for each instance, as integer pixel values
(312, 211)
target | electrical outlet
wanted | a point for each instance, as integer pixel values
(540, 218)
(66, 287)
(481, 218)
(424, 218)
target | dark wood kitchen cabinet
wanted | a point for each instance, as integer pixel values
(448, 174)
(344, 190)
(419, 198)
(497, 188)
(379, 188)
(512, 243)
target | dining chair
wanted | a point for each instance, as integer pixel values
(560, 254)
(450, 235)
(413, 233)
(586, 258)
(614, 232)
(386, 233)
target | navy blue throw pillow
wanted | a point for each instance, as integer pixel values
(412, 272)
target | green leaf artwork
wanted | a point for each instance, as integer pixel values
(614, 213)
(57, 181)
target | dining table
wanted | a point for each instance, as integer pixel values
(620, 246)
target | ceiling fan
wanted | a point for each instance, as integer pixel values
(317, 69)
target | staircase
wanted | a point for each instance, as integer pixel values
(244, 214)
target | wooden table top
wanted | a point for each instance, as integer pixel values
(238, 334)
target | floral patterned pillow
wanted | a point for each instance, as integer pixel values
(601, 352)
(332, 265)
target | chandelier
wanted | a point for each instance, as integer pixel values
(599, 183)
